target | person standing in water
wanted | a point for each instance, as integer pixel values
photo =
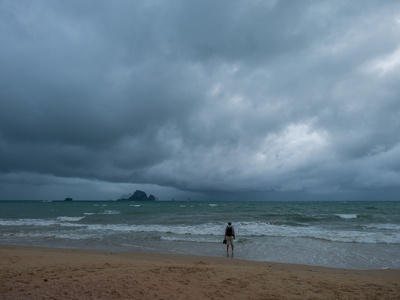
(229, 237)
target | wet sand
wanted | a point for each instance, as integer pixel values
(47, 273)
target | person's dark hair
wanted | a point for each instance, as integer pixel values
(229, 223)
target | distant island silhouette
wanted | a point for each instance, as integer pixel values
(138, 196)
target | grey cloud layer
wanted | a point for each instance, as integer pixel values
(200, 96)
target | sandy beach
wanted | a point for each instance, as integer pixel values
(47, 273)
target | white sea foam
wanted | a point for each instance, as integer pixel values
(42, 222)
(69, 219)
(196, 239)
(28, 222)
(54, 234)
(110, 212)
(347, 216)
(265, 229)
(243, 229)
(394, 227)
(197, 232)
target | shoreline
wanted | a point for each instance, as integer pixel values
(56, 273)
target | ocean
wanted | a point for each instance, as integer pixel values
(354, 235)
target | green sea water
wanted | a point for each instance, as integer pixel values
(358, 235)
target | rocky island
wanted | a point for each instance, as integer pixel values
(138, 196)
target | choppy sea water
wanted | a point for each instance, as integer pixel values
(356, 235)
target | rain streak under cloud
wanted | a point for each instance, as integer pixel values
(270, 99)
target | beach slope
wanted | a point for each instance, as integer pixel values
(47, 273)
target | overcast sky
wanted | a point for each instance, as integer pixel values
(203, 99)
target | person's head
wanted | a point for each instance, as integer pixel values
(229, 223)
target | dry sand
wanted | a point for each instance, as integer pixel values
(45, 273)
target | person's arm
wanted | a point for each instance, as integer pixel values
(225, 235)
(234, 236)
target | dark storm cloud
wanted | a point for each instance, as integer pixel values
(201, 96)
